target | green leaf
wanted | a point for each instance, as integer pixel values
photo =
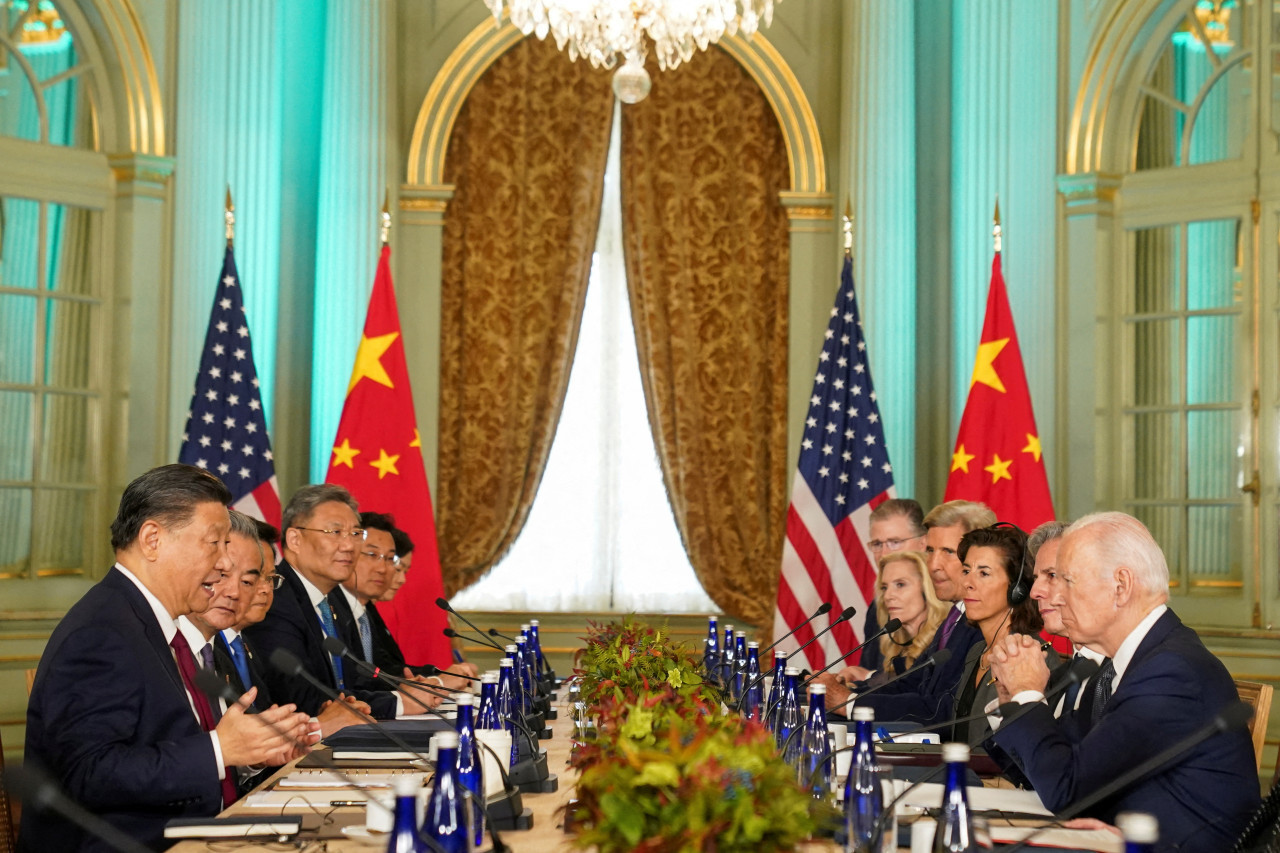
(673, 677)
(658, 774)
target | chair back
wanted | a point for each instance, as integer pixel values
(31, 680)
(1258, 696)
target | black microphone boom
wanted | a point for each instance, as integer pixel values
(450, 633)
(444, 605)
(844, 616)
(494, 632)
(889, 627)
(824, 607)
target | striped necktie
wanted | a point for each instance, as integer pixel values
(326, 620)
(366, 636)
(948, 626)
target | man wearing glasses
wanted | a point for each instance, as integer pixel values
(322, 538)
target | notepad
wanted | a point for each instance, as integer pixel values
(232, 827)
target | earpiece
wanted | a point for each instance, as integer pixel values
(1020, 589)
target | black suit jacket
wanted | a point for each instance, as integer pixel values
(1172, 687)
(349, 632)
(930, 697)
(110, 719)
(292, 624)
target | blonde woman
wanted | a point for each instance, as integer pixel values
(905, 592)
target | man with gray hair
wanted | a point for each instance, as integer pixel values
(1160, 685)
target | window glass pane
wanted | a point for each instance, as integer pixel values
(1222, 123)
(1155, 352)
(15, 435)
(60, 540)
(73, 250)
(15, 545)
(1166, 524)
(1215, 542)
(20, 243)
(1161, 123)
(1214, 455)
(67, 343)
(19, 115)
(1155, 454)
(17, 338)
(1157, 277)
(65, 439)
(1212, 264)
(1211, 359)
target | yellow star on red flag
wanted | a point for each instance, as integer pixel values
(984, 369)
(1033, 446)
(385, 463)
(960, 460)
(999, 469)
(369, 360)
(344, 454)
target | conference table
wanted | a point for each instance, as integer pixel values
(324, 827)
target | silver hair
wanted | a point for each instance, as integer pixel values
(306, 500)
(1042, 535)
(243, 525)
(1116, 539)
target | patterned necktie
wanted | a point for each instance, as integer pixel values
(326, 619)
(948, 626)
(206, 663)
(1102, 689)
(240, 657)
(366, 636)
(204, 712)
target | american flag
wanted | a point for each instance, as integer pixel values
(226, 430)
(844, 473)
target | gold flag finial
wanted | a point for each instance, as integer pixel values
(847, 227)
(229, 215)
(384, 220)
(996, 232)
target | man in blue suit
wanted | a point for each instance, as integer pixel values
(114, 715)
(1160, 685)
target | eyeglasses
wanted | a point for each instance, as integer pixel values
(358, 533)
(276, 580)
(888, 544)
(386, 558)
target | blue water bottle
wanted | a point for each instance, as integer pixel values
(955, 825)
(1141, 831)
(507, 704)
(726, 662)
(404, 831)
(445, 820)
(774, 701)
(539, 661)
(790, 717)
(711, 651)
(815, 749)
(487, 714)
(753, 701)
(470, 761)
(739, 663)
(863, 797)
(519, 700)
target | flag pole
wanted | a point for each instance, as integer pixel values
(230, 216)
(996, 232)
(384, 220)
(847, 226)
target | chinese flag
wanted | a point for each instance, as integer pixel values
(997, 458)
(377, 456)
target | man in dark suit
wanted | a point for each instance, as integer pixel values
(928, 697)
(113, 714)
(322, 536)
(1160, 685)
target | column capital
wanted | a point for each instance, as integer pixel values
(808, 211)
(424, 204)
(141, 174)
(1089, 193)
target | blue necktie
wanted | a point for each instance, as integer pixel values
(326, 618)
(366, 636)
(240, 657)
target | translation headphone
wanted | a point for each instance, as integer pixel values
(1020, 589)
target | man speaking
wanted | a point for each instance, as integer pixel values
(114, 714)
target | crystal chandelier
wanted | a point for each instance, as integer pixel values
(604, 31)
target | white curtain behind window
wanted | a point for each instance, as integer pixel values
(600, 534)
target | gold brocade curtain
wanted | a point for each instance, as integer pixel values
(706, 242)
(527, 157)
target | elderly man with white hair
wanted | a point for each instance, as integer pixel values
(1159, 685)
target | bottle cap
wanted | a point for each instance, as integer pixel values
(742, 634)
(817, 690)
(791, 670)
(512, 647)
(507, 662)
(711, 618)
(520, 641)
(777, 655)
(1138, 826)
(728, 627)
(955, 753)
(534, 623)
(752, 644)
(525, 626)
(490, 677)
(446, 740)
(408, 784)
(863, 715)
(464, 699)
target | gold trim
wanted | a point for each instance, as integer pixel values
(823, 213)
(19, 658)
(59, 573)
(1218, 584)
(430, 205)
(439, 110)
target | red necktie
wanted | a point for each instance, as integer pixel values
(187, 669)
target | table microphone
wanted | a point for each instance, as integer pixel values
(494, 632)
(450, 633)
(443, 604)
(889, 627)
(38, 792)
(1233, 715)
(938, 658)
(844, 616)
(336, 647)
(824, 607)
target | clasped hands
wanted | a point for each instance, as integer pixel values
(1018, 665)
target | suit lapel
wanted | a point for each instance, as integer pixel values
(120, 584)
